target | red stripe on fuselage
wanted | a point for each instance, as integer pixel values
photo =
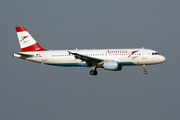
(34, 47)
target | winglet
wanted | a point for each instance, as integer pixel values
(69, 52)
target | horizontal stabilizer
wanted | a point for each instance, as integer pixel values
(22, 56)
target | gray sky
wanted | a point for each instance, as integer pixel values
(33, 91)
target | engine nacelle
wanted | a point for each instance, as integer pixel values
(112, 65)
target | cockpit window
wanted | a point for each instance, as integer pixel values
(155, 53)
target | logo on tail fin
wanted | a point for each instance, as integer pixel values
(24, 37)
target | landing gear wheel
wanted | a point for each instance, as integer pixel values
(92, 72)
(95, 72)
(145, 72)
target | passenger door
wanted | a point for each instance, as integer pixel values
(44, 56)
(144, 54)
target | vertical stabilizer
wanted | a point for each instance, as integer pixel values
(26, 41)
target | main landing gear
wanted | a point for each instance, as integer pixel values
(93, 71)
(144, 67)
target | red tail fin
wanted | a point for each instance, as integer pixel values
(27, 42)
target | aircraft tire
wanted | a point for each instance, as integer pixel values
(95, 72)
(145, 72)
(92, 72)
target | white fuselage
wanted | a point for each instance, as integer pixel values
(122, 56)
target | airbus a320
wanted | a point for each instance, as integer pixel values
(109, 59)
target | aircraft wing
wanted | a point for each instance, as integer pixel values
(85, 58)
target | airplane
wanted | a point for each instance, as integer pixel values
(109, 59)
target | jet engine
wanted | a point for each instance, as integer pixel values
(112, 65)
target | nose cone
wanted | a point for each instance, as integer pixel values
(162, 58)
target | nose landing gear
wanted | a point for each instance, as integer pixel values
(144, 67)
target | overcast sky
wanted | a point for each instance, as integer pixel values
(32, 91)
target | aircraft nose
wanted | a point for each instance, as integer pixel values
(162, 58)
